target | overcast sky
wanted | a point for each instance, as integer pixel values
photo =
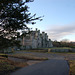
(59, 18)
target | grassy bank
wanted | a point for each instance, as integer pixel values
(7, 66)
(72, 67)
(3, 55)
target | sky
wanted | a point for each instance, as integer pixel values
(59, 18)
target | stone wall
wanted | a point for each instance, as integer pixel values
(61, 50)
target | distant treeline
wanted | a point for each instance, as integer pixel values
(63, 44)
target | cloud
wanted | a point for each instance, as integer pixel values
(57, 32)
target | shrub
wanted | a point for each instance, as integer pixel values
(4, 55)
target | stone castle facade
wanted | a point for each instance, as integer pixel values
(35, 39)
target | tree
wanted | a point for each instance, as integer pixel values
(14, 16)
(4, 43)
(65, 40)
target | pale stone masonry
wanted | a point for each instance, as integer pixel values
(35, 39)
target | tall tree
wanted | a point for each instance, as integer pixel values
(14, 15)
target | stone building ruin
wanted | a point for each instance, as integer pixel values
(35, 39)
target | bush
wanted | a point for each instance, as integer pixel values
(72, 46)
(4, 55)
(5, 67)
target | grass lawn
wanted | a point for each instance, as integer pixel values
(41, 51)
(7, 66)
(62, 52)
(28, 56)
(56, 48)
(72, 67)
(44, 50)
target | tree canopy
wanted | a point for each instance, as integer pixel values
(14, 15)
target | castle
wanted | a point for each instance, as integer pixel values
(35, 39)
